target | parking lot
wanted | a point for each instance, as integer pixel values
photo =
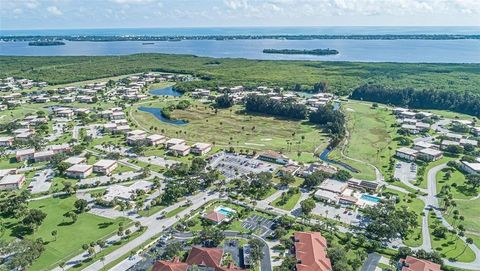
(259, 224)
(235, 165)
(405, 172)
(41, 182)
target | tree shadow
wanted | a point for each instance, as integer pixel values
(104, 225)
(64, 223)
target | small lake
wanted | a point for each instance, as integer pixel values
(157, 112)
(167, 91)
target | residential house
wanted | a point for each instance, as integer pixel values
(11, 182)
(201, 148)
(75, 160)
(79, 171)
(23, 155)
(105, 166)
(446, 143)
(155, 139)
(43, 156)
(429, 154)
(6, 141)
(470, 168)
(174, 265)
(180, 149)
(414, 264)
(406, 153)
(311, 252)
(174, 141)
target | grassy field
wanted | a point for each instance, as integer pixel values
(342, 77)
(415, 238)
(235, 128)
(370, 138)
(461, 190)
(70, 237)
(451, 246)
(470, 209)
(289, 204)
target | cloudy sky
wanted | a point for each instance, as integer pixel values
(61, 14)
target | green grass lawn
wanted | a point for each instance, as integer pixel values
(370, 140)
(460, 190)
(289, 204)
(152, 210)
(451, 246)
(176, 211)
(415, 238)
(470, 209)
(70, 237)
(269, 193)
(239, 130)
(9, 162)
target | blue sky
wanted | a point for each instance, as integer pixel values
(63, 14)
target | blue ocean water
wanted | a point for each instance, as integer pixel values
(413, 51)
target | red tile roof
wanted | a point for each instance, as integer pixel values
(215, 216)
(414, 264)
(174, 265)
(201, 256)
(311, 252)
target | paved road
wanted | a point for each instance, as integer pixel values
(371, 262)
(154, 227)
(432, 201)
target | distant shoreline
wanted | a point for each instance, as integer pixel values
(318, 52)
(98, 38)
(46, 43)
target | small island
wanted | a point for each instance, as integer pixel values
(318, 52)
(46, 43)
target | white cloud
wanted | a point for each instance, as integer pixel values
(131, 1)
(54, 10)
(31, 4)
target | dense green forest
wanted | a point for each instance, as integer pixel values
(462, 102)
(265, 105)
(340, 77)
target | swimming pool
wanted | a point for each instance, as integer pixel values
(225, 211)
(370, 198)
